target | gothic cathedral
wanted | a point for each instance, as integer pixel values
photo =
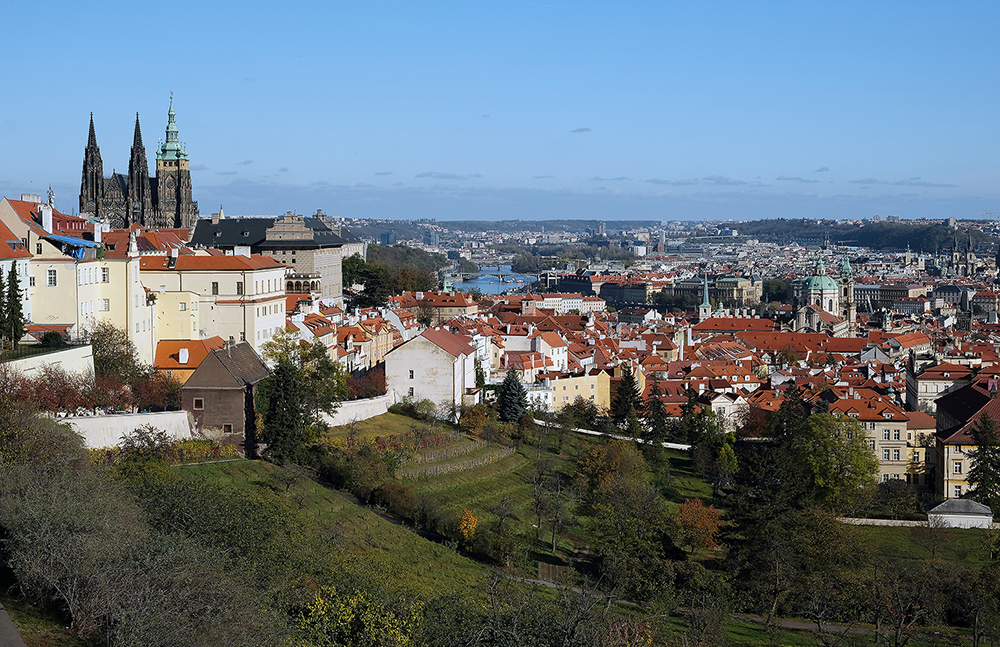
(161, 202)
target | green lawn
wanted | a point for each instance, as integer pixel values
(955, 545)
(38, 627)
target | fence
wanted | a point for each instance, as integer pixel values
(447, 468)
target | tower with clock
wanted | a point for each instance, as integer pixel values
(161, 202)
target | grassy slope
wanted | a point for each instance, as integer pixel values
(38, 627)
(424, 566)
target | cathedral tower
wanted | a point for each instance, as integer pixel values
(92, 183)
(140, 194)
(173, 180)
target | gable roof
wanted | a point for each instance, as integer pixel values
(449, 342)
(242, 362)
(168, 353)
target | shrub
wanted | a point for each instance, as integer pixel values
(400, 500)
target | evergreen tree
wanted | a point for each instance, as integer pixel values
(628, 400)
(512, 399)
(4, 328)
(283, 421)
(984, 475)
(657, 423)
(13, 321)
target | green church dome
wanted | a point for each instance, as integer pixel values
(820, 281)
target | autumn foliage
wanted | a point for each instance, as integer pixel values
(698, 526)
(467, 524)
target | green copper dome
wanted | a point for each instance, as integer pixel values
(820, 281)
(172, 149)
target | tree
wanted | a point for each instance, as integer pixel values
(628, 400)
(697, 525)
(984, 475)
(283, 422)
(480, 374)
(657, 422)
(3, 308)
(13, 323)
(322, 381)
(115, 354)
(512, 399)
(840, 463)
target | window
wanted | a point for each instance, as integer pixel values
(885, 478)
(956, 467)
(885, 434)
(895, 454)
(199, 403)
(38, 248)
(31, 281)
(182, 306)
(958, 491)
(916, 457)
(170, 373)
(871, 445)
(409, 392)
(411, 373)
(50, 278)
(105, 305)
(239, 288)
(215, 288)
(885, 454)
(895, 435)
(227, 428)
(105, 275)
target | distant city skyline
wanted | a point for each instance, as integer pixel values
(522, 110)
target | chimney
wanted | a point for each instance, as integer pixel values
(229, 346)
(45, 211)
(182, 356)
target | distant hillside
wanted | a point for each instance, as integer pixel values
(881, 235)
(397, 257)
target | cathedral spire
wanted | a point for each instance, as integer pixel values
(92, 138)
(137, 137)
(139, 197)
(92, 178)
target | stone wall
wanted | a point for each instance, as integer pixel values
(75, 359)
(106, 431)
(361, 409)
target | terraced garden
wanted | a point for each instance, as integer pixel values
(460, 473)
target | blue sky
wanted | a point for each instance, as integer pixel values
(504, 109)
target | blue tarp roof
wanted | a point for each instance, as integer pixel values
(76, 242)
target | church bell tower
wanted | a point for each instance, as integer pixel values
(173, 180)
